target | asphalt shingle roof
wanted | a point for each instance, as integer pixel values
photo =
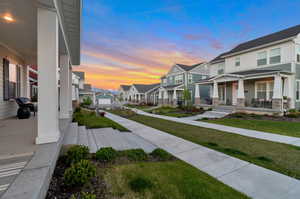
(280, 35)
(142, 88)
(125, 87)
(187, 67)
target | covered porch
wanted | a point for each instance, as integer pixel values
(171, 95)
(251, 91)
(37, 33)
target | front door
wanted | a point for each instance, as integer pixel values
(234, 93)
(222, 94)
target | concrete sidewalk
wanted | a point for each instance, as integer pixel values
(252, 180)
(245, 132)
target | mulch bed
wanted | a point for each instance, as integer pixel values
(58, 190)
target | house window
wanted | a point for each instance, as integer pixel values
(237, 61)
(221, 67)
(261, 58)
(275, 56)
(264, 90)
(164, 81)
(11, 80)
(178, 79)
(298, 90)
(190, 78)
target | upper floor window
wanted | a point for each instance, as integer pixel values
(178, 79)
(237, 61)
(221, 67)
(261, 58)
(275, 56)
(164, 81)
(190, 78)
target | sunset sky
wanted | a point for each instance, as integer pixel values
(137, 41)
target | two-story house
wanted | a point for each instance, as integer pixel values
(143, 93)
(178, 78)
(259, 75)
(124, 92)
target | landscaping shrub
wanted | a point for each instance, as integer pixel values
(235, 151)
(135, 154)
(102, 114)
(77, 110)
(238, 115)
(79, 173)
(77, 153)
(293, 115)
(140, 184)
(83, 195)
(106, 154)
(264, 159)
(209, 109)
(161, 154)
(212, 144)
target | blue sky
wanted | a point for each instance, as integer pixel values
(130, 41)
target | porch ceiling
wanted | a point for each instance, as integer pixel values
(20, 36)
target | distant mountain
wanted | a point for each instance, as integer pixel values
(105, 91)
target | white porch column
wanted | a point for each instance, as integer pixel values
(197, 95)
(288, 92)
(215, 97)
(25, 91)
(47, 59)
(64, 87)
(241, 94)
(174, 98)
(160, 96)
(70, 90)
(166, 97)
(277, 93)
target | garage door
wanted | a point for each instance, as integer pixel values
(104, 101)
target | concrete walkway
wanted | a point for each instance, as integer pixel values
(245, 132)
(252, 180)
(106, 137)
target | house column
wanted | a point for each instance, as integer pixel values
(47, 59)
(197, 95)
(215, 97)
(241, 94)
(174, 98)
(288, 92)
(70, 91)
(64, 87)
(277, 93)
(160, 97)
(166, 98)
(25, 91)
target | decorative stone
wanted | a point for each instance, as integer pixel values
(215, 101)
(240, 102)
(277, 104)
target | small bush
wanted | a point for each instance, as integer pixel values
(161, 154)
(238, 115)
(235, 151)
(292, 115)
(293, 111)
(212, 144)
(205, 118)
(77, 110)
(140, 184)
(209, 109)
(77, 153)
(106, 154)
(265, 159)
(85, 195)
(79, 173)
(136, 154)
(102, 114)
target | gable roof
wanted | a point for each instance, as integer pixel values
(277, 36)
(218, 59)
(143, 88)
(187, 67)
(125, 87)
(79, 74)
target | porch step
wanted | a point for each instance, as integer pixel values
(71, 136)
(92, 142)
(82, 136)
(9, 169)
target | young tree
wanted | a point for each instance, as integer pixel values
(87, 101)
(186, 96)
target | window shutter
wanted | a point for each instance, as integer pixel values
(5, 79)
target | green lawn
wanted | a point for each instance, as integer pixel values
(278, 127)
(141, 107)
(279, 157)
(174, 179)
(90, 120)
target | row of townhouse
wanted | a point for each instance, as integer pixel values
(139, 93)
(261, 75)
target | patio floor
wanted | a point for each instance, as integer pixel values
(17, 137)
